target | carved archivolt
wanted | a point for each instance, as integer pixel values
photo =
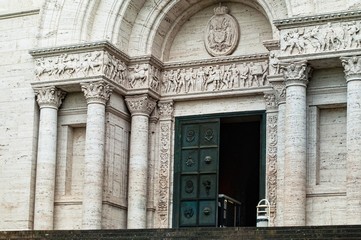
(326, 37)
(215, 77)
(222, 33)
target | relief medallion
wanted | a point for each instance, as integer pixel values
(222, 33)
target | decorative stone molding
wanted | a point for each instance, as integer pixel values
(49, 97)
(165, 154)
(271, 101)
(96, 92)
(278, 84)
(352, 67)
(165, 109)
(215, 78)
(222, 33)
(272, 163)
(332, 36)
(296, 72)
(316, 19)
(140, 104)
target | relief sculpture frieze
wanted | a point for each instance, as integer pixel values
(215, 77)
(332, 36)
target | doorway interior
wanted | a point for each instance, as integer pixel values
(240, 169)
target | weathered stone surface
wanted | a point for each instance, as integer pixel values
(105, 158)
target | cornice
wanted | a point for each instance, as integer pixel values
(146, 59)
(19, 14)
(79, 48)
(215, 60)
(315, 19)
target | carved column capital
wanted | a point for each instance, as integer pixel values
(50, 97)
(141, 104)
(96, 92)
(296, 73)
(166, 109)
(280, 91)
(352, 67)
(271, 100)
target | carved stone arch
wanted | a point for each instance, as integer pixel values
(155, 35)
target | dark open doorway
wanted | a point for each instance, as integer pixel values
(239, 164)
(219, 161)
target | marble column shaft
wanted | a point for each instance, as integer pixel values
(96, 94)
(140, 107)
(296, 77)
(352, 68)
(49, 99)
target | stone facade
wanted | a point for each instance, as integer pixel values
(91, 91)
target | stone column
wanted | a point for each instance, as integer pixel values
(49, 100)
(140, 106)
(271, 163)
(296, 77)
(352, 69)
(165, 159)
(96, 94)
(278, 84)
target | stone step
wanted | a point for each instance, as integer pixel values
(244, 233)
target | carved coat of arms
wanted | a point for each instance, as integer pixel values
(222, 33)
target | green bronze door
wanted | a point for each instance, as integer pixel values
(196, 173)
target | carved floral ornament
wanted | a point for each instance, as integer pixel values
(96, 91)
(321, 38)
(352, 65)
(296, 72)
(222, 33)
(141, 104)
(49, 96)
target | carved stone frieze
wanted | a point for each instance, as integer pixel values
(352, 66)
(321, 38)
(222, 33)
(144, 76)
(140, 104)
(96, 92)
(49, 97)
(272, 163)
(78, 65)
(215, 77)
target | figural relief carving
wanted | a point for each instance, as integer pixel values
(215, 78)
(321, 38)
(222, 33)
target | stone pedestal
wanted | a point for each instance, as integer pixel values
(96, 94)
(49, 99)
(296, 78)
(140, 106)
(352, 67)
